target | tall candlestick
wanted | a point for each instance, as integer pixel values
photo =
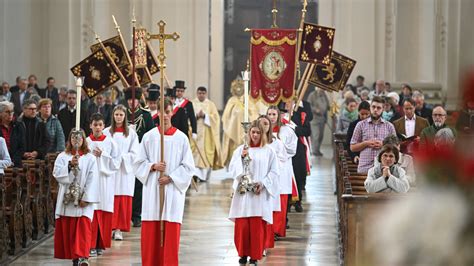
(79, 82)
(245, 78)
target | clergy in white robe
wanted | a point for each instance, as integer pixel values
(287, 182)
(251, 211)
(178, 168)
(127, 145)
(106, 154)
(72, 236)
(208, 135)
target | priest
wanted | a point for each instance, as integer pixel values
(208, 128)
(174, 173)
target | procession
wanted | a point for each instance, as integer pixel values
(292, 158)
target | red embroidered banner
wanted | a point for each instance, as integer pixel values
(273, 64)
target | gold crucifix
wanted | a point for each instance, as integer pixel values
(162, 37)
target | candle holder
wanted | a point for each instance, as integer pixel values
(246, 183)
(74, 192)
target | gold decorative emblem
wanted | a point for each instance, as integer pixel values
(95, 73)
(317, 44)
(273, 65)
(77, 71)
(99, 55)
(330, 72)
(112, 53)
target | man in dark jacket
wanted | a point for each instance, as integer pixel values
(101, 107)
(37, 140)
(187, 105)
(12, 132)
(301, 167)
(67, 115)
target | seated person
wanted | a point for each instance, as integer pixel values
(5, 160)
(387, 176)
(405, 161)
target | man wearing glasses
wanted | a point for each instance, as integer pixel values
(439, 122)
(36, 136)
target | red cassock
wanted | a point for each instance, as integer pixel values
(279, 218)
(101, 229)
(122, 213)
(152, 252)
(72, 237)
(249, 237)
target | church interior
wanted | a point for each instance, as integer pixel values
(236, 132)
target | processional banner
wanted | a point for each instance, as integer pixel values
(97, 71)
(333, 77)
(273, 64)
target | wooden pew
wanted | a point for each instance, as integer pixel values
(35, 174)
(4, 234)
(51, 187)
(13, 208)
(26, 195)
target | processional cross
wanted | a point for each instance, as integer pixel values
(162, 37)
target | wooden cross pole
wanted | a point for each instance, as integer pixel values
(162, 37)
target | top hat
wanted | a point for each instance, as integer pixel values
(170, 92)
(179, 84)
(153, 92)
(138, 93)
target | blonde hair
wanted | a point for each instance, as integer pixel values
(269, 133)
(263, 136)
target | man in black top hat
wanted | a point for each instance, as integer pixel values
(187, 105)
(152, 102)
(143, 123)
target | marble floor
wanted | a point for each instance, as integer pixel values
(207, 234)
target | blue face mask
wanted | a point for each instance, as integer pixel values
(387, 115)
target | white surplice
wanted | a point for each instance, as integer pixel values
(290, 140)
(263, 169)
(279, 148)
(127, 151)
(87, 180)
(179, 166)
(107, 165)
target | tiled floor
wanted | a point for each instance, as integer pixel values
(207, 234)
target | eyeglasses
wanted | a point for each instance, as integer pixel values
(31, 108)
(440, 115)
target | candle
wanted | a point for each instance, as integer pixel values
(245, 78)
(78, 102)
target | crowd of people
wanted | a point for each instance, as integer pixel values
(121, 168)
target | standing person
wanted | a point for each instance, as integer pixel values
(50, 92)
(6, 91)
(279, 148)
(33, 84)
(101, 107)
(53, 126)
(72, 234)
(422, 109)
(380, 89)
(252, 210)
(67, 116)
(364, 112)
(127, 143)
(62, 102)
(369, 134)
(301, 165)
(286, 134)
(142, 123)
(427, 135)
(12, 132)
(208, 135)
(105, 151)
(348, 115)
(37, 140)
(151, 101)
(409, 127)
(174, 173)
(186, 105)
(320, 106)
(19, 96)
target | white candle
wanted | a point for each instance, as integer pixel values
(78, 102)
(245, 78)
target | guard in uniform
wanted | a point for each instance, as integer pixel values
(142, 123)
(187, 106)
